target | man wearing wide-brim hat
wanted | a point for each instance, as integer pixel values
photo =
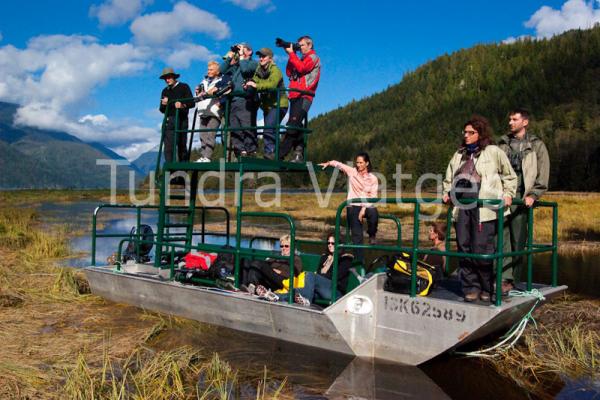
(176, 114)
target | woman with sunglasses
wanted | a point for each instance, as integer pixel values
(478, 170)
(364, 185)
(318, 285)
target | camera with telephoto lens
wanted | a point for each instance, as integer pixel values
(279, 42)
(235, 48)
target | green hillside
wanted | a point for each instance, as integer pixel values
(418, 122)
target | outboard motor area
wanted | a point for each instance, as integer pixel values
(140, 244)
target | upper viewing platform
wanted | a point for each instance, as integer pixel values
(274, 145)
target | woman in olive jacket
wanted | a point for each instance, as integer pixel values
(478, 170)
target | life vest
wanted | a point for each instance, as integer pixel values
(298, 283)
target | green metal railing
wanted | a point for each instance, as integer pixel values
(224, 130)
(138, 209)
(415, 251)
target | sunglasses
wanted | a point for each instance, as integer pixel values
(285, 246)
(331, 243)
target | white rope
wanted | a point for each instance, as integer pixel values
(514, 333)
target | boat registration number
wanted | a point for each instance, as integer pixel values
(423, 308)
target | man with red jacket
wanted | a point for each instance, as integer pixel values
(304, 74)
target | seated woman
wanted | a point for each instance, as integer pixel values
(361, 184)
(478, 170)
(437, 236)
(264, 277)
(318, 285)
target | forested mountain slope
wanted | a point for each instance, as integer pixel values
(418, 122)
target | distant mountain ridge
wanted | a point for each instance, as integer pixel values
(32, 158)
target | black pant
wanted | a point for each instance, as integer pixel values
(261, 273)
(294, 139)
(356, 227)
(169, 139)
(243, 114)
(473, 237)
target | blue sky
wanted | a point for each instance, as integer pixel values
(91, 68)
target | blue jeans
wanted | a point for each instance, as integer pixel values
(269, 133)
(315, 286)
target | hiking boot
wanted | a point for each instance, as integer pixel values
(484, 296)
(372, 240)
(471, 297)
(243, 153)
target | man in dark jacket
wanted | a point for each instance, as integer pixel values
(175, 90)
(240, 67)
(529, 158)
(304, 74)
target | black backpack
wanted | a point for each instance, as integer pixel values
(398, 271)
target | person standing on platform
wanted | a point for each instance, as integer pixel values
(268, 77)
(240, 66)
(304, 74)
(529, 158)
(175, 90)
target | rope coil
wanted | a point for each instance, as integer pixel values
(514, 333)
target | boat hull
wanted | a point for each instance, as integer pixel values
(367, 322)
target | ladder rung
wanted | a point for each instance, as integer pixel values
(177, 225)
(177, 196)
(177, 210)
(174, 239)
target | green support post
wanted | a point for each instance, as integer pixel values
(164, 183)
(529, 247)
(448, 232)
(500, 253)
(338, 220)
(94, 227)
(415, 250)
(554, 245)
(238, 227)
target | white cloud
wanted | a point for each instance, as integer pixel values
(513, 39)
(572, 15)
(98, 120)
(161, 28)
(90, 128)
(134, 150)
(184, 54)
(62, 70)
(254, 4)
(56, 73)
(117, 12)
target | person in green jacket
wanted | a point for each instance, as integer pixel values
(529, 158)
(266, 80)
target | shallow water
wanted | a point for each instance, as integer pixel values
(315, 373)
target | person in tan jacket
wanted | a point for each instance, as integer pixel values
(478, 170)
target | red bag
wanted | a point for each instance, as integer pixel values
(199, 260)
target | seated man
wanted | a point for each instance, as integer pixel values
(263, 277)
